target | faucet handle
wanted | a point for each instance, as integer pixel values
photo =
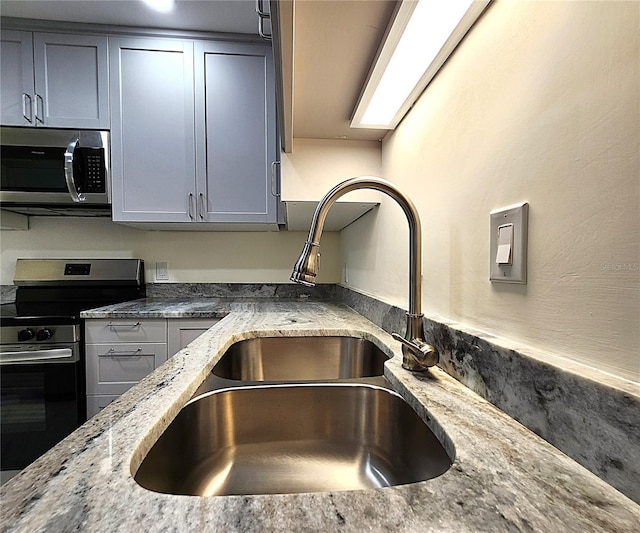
(418, 355)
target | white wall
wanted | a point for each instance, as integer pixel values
(541, 104)
(196, 257)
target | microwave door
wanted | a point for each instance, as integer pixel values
(29, 170)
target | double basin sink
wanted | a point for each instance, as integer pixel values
(289, 415)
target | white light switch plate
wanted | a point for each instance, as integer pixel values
(516, 272)
(162, 271)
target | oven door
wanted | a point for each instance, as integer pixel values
(41, 400)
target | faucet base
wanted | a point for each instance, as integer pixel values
(419, 360)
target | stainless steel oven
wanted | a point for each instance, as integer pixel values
(42, 354)
(49, 171)
(41, 389)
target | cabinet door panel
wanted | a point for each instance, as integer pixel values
(153, 157)
(96, 403)
(71, 80)
(236, 158)
(181, 332)
(16, 82)
(240, 134)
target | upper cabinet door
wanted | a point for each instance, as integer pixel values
(54, 80)
(71, 79)
(152, 117)
(236, 132)
(16, 80)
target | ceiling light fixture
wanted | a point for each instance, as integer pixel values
(421, 37)
(164, 6)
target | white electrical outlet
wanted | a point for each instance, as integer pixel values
(162, 272)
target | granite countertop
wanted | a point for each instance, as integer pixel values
(504, 477)
(167, 308)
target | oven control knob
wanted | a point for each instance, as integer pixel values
(44, 334)
(25, 335)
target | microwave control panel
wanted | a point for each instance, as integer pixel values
(93, 170)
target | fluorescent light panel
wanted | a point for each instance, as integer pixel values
(164, 6)
(423, 35)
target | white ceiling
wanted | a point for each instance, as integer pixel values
(334, 45)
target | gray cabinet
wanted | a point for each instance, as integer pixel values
(194, 132)
(120, 352)
(237, 145)
(54, 80)
(16, 83)
(152, 138)
(182, 331)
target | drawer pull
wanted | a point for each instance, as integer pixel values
(121, 353)
(116, 326)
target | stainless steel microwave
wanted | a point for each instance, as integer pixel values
(49, 171)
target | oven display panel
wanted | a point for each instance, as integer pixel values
(77, 269)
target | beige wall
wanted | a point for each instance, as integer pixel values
(203, 257)
(316, 165)
(541, 104)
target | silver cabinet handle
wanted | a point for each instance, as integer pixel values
(274, 188)
(29, 117)
(116, 326)
(121, 353)
(260, 9)
(190, 199)
(262, 16)
(201, 206)
(68, 171)
(261, 31)
(39, 117)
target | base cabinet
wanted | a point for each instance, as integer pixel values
(98, 402)
(119, 353)
(182, 331)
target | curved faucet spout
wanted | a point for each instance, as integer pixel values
(418, 355)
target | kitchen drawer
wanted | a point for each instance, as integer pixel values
(115, 368)
(97, 403)
(125, 330)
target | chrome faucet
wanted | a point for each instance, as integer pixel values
(417, 354)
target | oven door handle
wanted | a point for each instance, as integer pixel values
(31, 356)
(68, 171)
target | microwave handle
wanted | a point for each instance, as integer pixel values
(68, 172)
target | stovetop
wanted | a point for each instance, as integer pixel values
(59, 311)
(47, 314)
(55, 291)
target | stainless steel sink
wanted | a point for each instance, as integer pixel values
(301, 359)
(274, 439)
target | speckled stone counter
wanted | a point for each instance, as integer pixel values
(504, 477)
(165, 308)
